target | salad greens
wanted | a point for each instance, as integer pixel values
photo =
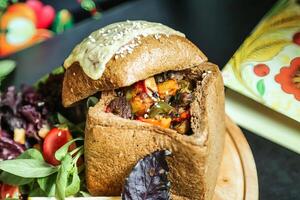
(29, 170)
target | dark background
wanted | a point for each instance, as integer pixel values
(216, 27)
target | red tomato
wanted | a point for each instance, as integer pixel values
(55, 139)
(8, 191)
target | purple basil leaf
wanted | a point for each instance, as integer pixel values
(3, 133)
(25, 109)
(30, 96)
(30, 114)
(9, 149)
(148, 180)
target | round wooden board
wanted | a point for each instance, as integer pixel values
(237, 178)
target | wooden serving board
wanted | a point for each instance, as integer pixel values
(237, 178)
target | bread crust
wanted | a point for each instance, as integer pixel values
(113, 145)
(152, 56)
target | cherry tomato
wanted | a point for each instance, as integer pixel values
(8, 191)
(55, 139)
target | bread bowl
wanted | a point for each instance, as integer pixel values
(120, 56)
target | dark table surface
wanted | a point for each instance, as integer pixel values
(218, 28)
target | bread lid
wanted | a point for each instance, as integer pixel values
(123, 53)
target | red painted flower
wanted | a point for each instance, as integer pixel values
(261, 70)
(286, 76)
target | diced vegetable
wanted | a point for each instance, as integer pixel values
(55, 139)
(183, 116)
(167, 88)
(160, 108)
(19, 135)
(185, 86)
(183, 127)
(139, 88)
(163, 122)
(151, 87)
(129, 94)
(43, 131)
(183, 98)
(140, 104)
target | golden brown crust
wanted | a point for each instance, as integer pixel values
(113, 145)
(152, 57)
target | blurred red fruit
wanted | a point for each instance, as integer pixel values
(45, 13)
(296, 38)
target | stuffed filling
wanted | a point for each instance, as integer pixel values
(163, 100)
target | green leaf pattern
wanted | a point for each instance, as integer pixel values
(260, 86)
